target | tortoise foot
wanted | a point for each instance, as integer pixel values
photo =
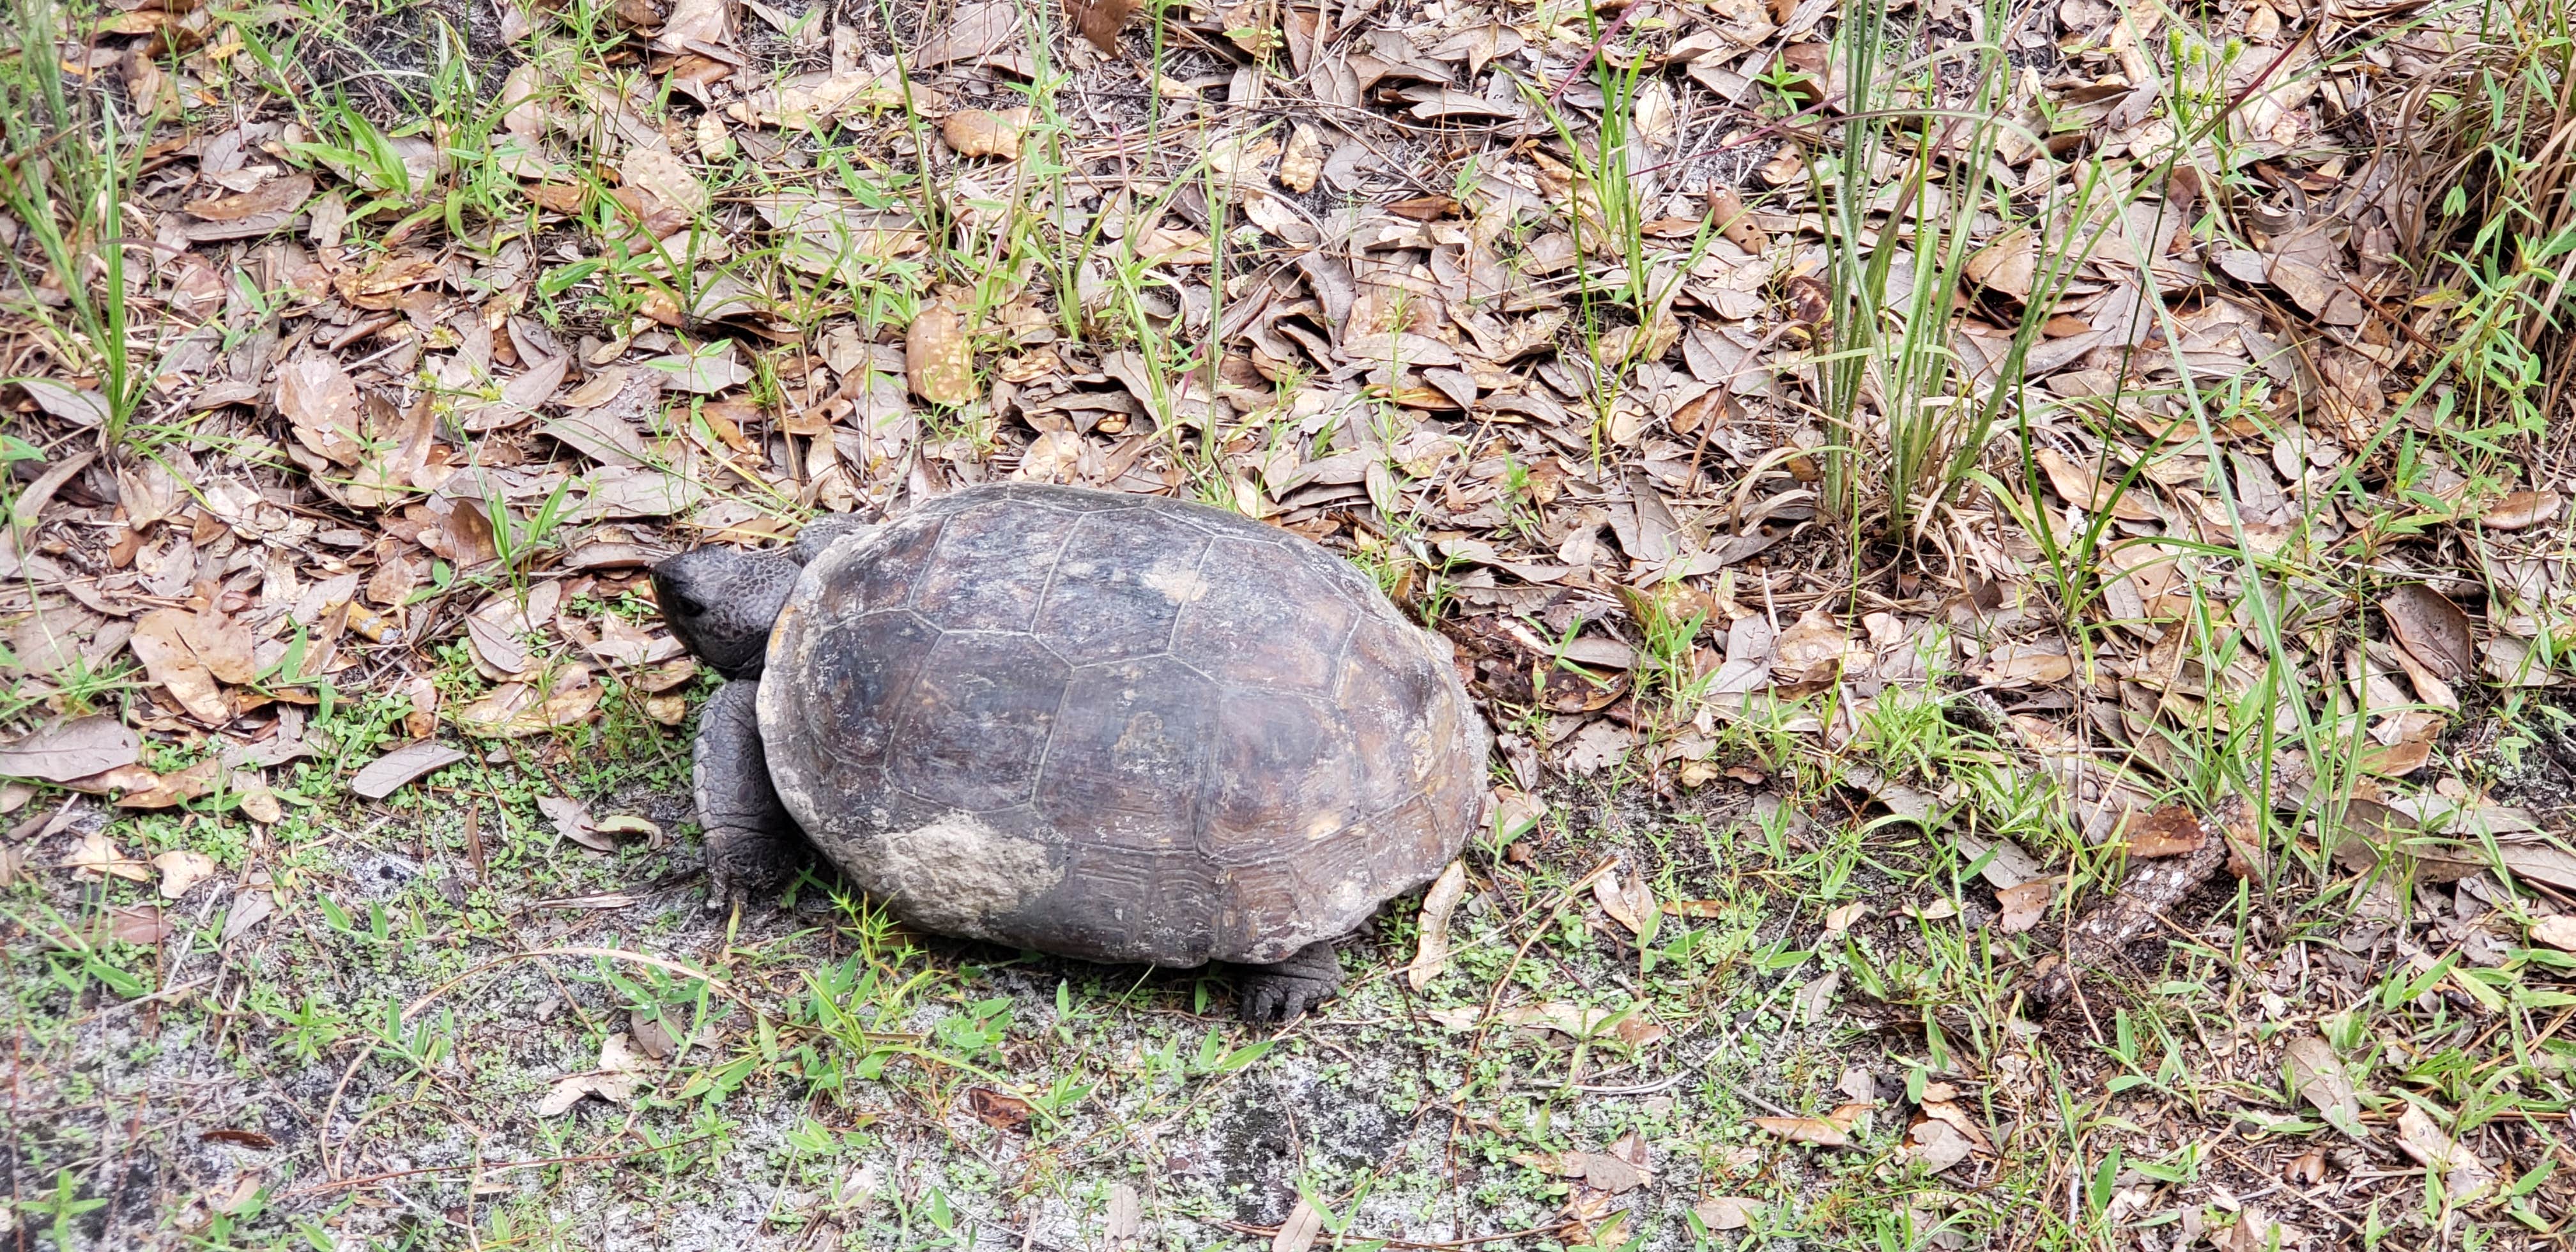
(1284, 991)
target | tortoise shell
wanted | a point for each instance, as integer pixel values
(1115, 727)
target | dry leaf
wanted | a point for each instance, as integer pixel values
(2169, 831)
(2010, 264)
(1297, 1233)
(181, 871)
(935, 357)
(2023, 906)
(2432, 628)
(2463, 1175)
(1302, 161)
(386, 774)
(97, 856)
(1100, 20)
(2520, 509)
(1438, 904)
(2558, 930)
(982, 132)
(1728, 1212)
(74, 748)
(2319, 1077)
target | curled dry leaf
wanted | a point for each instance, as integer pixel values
(1432, 956)
(1812, 650)
(935, 357)
(1100, 20)
(2023, 906)
(1833, 1130)
(985, 132)
(2558, 930)
(181, 871)
(2522, 508)
(97, 855)
(2433, 629)
(1626, 898)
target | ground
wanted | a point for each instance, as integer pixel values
(1926, 495)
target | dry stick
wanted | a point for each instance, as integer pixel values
(1618, 24)
(322, 1139)
(1537, 932)
(1272, 1232)
(343, 1184)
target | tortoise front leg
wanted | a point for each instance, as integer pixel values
(1282, 991)
(752, 844)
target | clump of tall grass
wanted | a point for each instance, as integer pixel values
(2490, 139)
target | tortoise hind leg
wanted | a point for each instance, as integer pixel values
(1281, 992)
(752, 844)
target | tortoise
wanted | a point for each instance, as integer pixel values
(1121, 728)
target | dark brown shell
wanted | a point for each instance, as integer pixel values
(1116, 727)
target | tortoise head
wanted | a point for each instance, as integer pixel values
(721, 603)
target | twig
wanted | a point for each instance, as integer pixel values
(1272, 1232)
(1617, 24)
(343, 1184)
(322, 1134)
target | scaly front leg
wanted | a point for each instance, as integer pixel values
(752, 844)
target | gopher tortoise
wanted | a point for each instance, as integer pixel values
(1120, 728)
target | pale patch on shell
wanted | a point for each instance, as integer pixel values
(958, 875)
(1180, 586)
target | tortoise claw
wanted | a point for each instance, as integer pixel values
(1282, 992)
